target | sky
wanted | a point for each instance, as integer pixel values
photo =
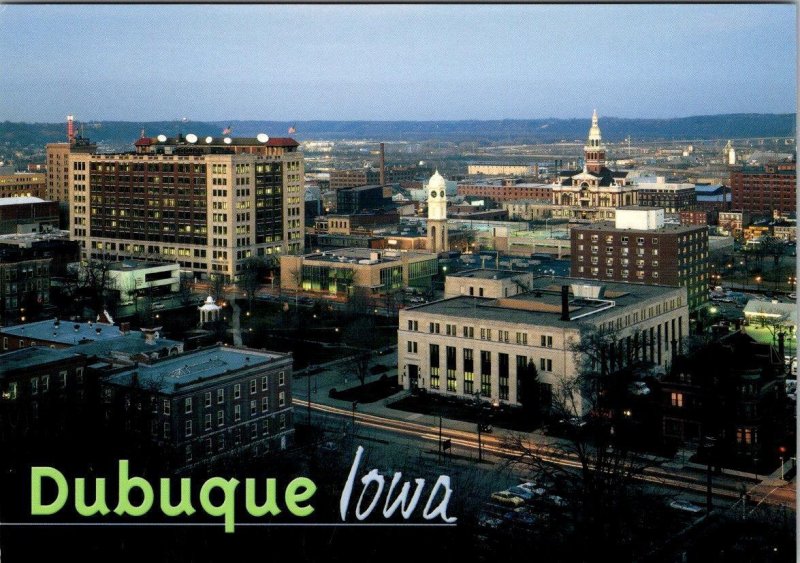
(394, 62)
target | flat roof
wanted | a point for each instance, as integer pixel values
(31, 356)
(347, 255)
(487, 274)
(130, 265)
(63, 332)
(542, 305)
(131, 343)
(19, 200)
(607, 227)
(171, 373)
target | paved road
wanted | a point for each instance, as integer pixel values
(424, 430)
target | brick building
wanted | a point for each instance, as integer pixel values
(207, 204)
(27, 215)
(640, 248)
(22, 185)
(506, 190)
(209, 404)
(671, 196)
(765, 189)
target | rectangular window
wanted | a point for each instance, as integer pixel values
(188, 428)
(264, 404)
(545, 364)
(677, 400)
(253, 408)
(237, 391)
(208, 422)
(253, 387)
(62, 379)
(220, 418)
(281, 399)
(45, 383)
(207, 400)
(167, 430)
(264, 383)
(503, 375)
(281, 380)
(469, 370)
(469, 332)
(486, 373)
(34, 386)
(166, 406)
(237, 413)
(434, 365)
(187, 405)
(546, 341)
(220, 396)
(450, 359)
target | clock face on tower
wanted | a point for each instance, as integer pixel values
(433, 193)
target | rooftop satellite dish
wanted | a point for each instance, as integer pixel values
(162, 138)
(262, 137)
(227, 140)
(209, 139)
(191, 137)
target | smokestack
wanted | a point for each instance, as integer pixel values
(70, 129)
(564, 302)
(383, 166)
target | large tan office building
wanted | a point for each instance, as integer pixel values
(466, 345)
(207, 204)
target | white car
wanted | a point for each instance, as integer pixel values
(685, 506)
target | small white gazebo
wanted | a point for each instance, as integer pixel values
(209, 311)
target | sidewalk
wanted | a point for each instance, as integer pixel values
(336, 375)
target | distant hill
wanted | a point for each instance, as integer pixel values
(731, 126)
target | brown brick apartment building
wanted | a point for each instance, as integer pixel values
(506, 190)
(640, 248)
(767, 188)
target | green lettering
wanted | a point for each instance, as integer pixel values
(269, 506)
(126, 484)
(299, 490)
(99, 504)
(39, 509)
(226, 508)
(184, 506)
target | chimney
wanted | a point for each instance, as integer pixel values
(383, 166)
(564, 302)
(70, 129)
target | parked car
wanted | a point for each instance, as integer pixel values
(523, 493)
(507, 498)
(685, 506)
(533, 488)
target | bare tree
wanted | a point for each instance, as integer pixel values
(250, 278)
(91, 282)
(592, 470)
(217, 285)
(185, 289)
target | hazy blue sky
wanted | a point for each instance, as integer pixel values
(143, 63)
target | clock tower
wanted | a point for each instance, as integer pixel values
(437, 215)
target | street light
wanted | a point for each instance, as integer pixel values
(782, 451)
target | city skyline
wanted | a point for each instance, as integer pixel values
(395, 62)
